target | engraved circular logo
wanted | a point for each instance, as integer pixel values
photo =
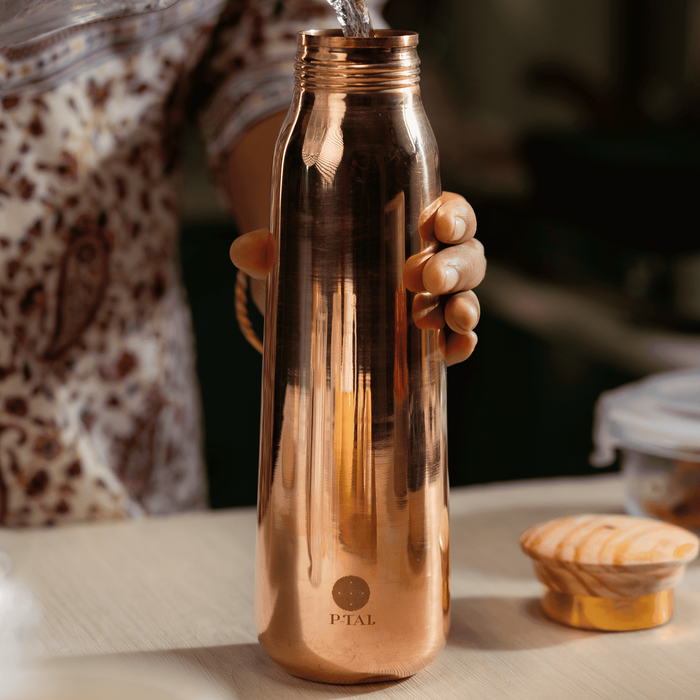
(351, 593)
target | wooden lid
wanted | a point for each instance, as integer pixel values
(620, 541)
(618, 570)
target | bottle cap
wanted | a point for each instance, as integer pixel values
(609, 572)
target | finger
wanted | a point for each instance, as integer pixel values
(254, 253)
(455, 347)
(450, 219)
(428, 312)
(413, 270)
(455, 220)
(426, 220)
(462, 312)
(455, 268)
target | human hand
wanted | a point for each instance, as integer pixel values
(443, 275)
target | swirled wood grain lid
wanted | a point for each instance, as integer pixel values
(609, 572)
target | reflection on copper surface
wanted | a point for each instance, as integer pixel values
(323, 142)
(353, 553)
(609, 614)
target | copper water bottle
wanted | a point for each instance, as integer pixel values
(352, 576)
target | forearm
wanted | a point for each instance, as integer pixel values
(249, 171)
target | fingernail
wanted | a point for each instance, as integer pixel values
(451, 278)
(459, 229)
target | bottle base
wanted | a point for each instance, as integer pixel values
(312, 667)
(340, 677)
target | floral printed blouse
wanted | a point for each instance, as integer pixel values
(99, 408)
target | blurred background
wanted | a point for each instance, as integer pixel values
(574, 130)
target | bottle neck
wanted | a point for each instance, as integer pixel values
(328, 60)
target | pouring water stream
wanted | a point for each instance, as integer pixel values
(353, 16)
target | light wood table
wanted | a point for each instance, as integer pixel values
(178, 591)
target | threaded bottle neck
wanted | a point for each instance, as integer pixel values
(325, 59)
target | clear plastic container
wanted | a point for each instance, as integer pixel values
(655, 423)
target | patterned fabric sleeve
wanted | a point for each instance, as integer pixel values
(251, 66)
(99, 414)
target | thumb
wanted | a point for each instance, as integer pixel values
(254, 253)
